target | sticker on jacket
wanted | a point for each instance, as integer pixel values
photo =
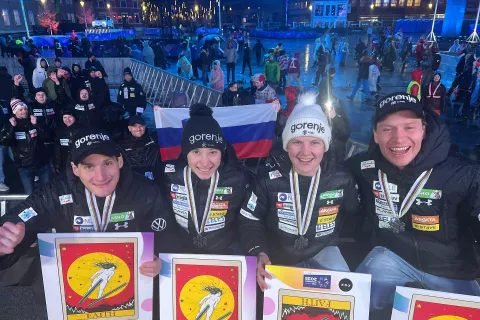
(122, 216)
(66, 198)
(27, 214)
(282, 205)
(430, 194)
(392, 187)
(284, 197)
(252, 202)
(159, 224)
(274, 174)
(82, 221)
(79, 107)
(325, 226)
(383, 204)
(83, 228)
(426, 223)
(50, 112)
(288, 228)
(178, 188)
(325, 211)
(20, 135)
(183, 222)
(181, 212)
(384, 221)
(169, 168)
(286, 214)
(380, 195)
(248, 215)
(370, 164)
(64, 142)
(332, 194)
(323, 233)
(212, 221)
(224, 190)
(214, 227)
(220, 205)
(179, 196)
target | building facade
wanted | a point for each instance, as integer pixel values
(330, 13)
(12, 20)
(120, 11)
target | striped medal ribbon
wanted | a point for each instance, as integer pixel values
(100, 222)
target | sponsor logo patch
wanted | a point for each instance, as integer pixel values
(183, 222)
(159, 224)
(281, 205)
(332, 194)
(220, 205)
(324, 227)
(178, 188)
(380, 195)
(66, 198)
(224, 190)
(122, 216)
(248, 215)
(178, 196)
(288, 228)
(211, 221)
(169, 168)
(214, 227)
(426, 227)
(217, 214)
(180, 204)
(180, 212)
(83, 228)
(27, 214)
(286, 214)
(383, 221)
(419, 202)
(392, 187)
(430, 194)
(315, 280)
(426, 223)
(367, 164)
(323, 233)
(383, 204)
(82, 221)
(252, 202)
(325, 211)
(326, 219)
(274, 174)
(284, 197)
(383, 211)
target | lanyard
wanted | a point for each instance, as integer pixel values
(187, 175)
(303, 222)
(411, 195)
(434, 91)
(100, 222)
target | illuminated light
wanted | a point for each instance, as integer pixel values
(248, 8)
(372, 6)
(230, 9)
(430, 5)
(310, 8)
(328, 104)
(196, 7)
(81, 3)
(108, 6)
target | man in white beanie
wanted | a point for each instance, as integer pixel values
(294, 211)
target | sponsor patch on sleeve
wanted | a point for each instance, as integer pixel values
(178, 188)
(369, 164)
(27, 214)
(426, 223)
(332, 194)
(169, 168)
(248, 215)
(274, 174)
(66, 198)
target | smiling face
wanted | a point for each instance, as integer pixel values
(41, 97)
(436, 78)
(137, 130)
(204, 162)
(399, 137)
(68, 119)
(84, 95)
(234, 88)
(306, 153)
(99, 173)
(22, 113)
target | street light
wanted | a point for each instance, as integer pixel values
(196, 7)
(430, 5)
(372, 6)
(310, 7)
(82, 3)
(108, 6)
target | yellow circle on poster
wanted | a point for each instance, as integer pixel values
(89, 269)
(448, 318)
(202, 294)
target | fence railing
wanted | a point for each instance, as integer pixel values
(9, 198)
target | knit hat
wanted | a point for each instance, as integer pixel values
(58, 60)
(258, 77)
(307, 120)
(202, 130)
(17, 104)
(127, 70)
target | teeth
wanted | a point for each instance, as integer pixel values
(399, 149)
(204, 170)
(305, 160)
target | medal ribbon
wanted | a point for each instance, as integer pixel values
(100, 222)
(187, 176)
(303, 222)
(411, 195)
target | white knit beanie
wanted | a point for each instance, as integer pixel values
(307, 120)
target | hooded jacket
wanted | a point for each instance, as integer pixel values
(97, 65)
(184, 68)
(433, 96)
(414, 87)
(267, 222)
(271, 69)
(217, 79)
(132, 97)
(136, 54)
(221, 225)
(148, 54)
(143, 153)
(62, 205)
(86, 112)
(100, 92)
(63, 143)
(442, 224)
(39, 73)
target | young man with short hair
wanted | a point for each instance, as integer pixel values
(421, 202)
(294, 210)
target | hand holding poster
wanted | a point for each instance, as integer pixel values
(297, 294)
(95, 276)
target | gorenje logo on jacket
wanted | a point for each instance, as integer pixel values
(91, 138)
(307, 127)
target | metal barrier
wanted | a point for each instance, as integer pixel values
(447, 68)
(159, 85)
(113, 66)
(9, 197)
(354, 147)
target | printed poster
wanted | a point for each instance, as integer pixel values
(207, 287)
(419, 304)
(308, 294)
(95, 276)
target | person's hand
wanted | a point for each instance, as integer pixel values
(13, 122)
(33, 120)
(276, 102)
(262, 261)
(156, 108)
(54, 78)
(17, 79)
(151, 268)
(10, 236)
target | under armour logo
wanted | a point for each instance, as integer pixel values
(204, 145)
(218, 198)
(427, 202)
(329, 201)
(159, 224)
(118, 226)
(304, 132)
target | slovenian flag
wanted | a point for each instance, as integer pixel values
(250, 129)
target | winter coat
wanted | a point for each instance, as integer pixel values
(184, 68)
(136, 53)
(27, 143)
(39, 74)
(63, 143)
(148, 55)
(62, 205)
(86, 113)
(267, 222)
(230, 55)
(271, 70)
(143, 153)
(222, 223)
(363, 70)
(239, 98)
(132, 97)
(100, 93)
(46, 118)
(433, 96)
(217, 80)
(294, 66)
(373, 74)
(265, 94)
(442, 225)
(6, 87)
(97, 65)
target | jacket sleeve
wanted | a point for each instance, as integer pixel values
(350, 211)
(120, 98)
(278, 72)
(18, 92)
(142, 99)
(6, 134)
(35, 213)
(252, 218)
(472, 206)
(341, 125)
(57, 153)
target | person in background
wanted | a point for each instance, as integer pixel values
(343, 51)
(28, 63)
(436, 58)
(419, 51)
(40, 73)
(414, 87)
(433, 95)
(456, 46)
(25, 136)
(100, 91)
(259, 48)
(131, 95)
(148, 55)
(86, 46)
(136, 53)
(57, 63)
(6, 94)
(54, 89)
(272, 71)
(205, 62)
(140, 148)
(196, 63)
(284, 63)
(93, 62)
(184, 68)
(85, 111)
(231, 58)
(58, 48)
(217, 80)
(236, 96)
(64, 134)
(362, 79)
(186, 50)
(246, 59)
(406, 52)
(294, 71)
(262, 92)
(78, 79)
(359, 49)
(321, 62)
(373, 76)
(390, 56)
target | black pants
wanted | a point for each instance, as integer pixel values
(230, 68)
(320, 72)
(283, 78)
(259, 58)
(195, 66)
(247, 62)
